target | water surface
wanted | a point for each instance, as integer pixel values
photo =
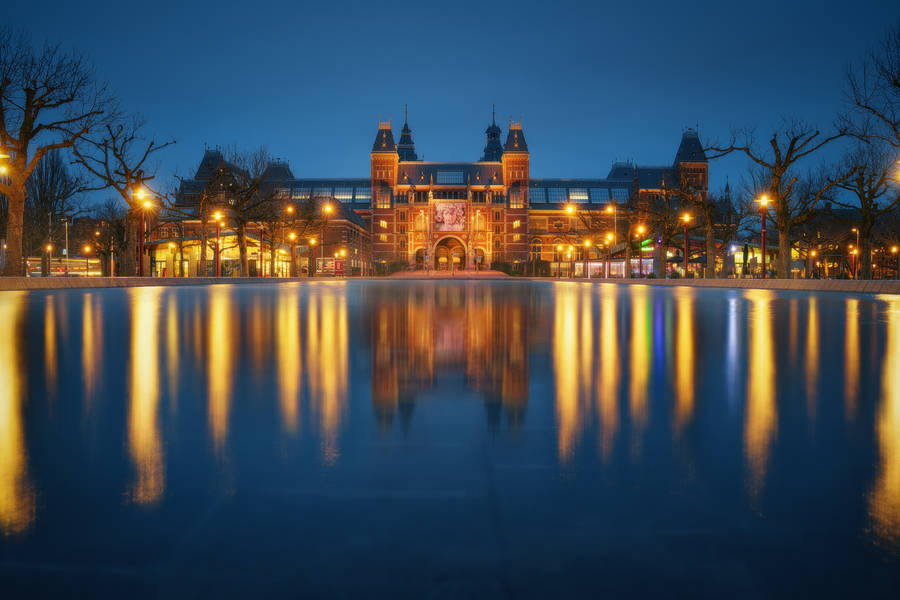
(449, 439)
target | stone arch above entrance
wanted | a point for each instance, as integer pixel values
(449, 251)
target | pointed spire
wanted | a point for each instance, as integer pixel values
(406, 148)
(494, 149)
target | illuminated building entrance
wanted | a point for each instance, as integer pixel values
(449, 251)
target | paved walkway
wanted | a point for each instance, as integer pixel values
(812, 285)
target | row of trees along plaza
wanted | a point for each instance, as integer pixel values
(64, 137)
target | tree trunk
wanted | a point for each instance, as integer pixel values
(15, 263)
(865, 253)
(710, 250)
(784, 255)
(242, 248)
(201, 263)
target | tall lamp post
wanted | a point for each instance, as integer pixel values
(640, 236)
(309, 267)
(587, 258)
(218, 217)
(293, 237)
(140, 194)
(894, 251)
(559, 249)
(327, 209)
(609, 242)
(686, 218)
(87, 260)
(856, 260)
(611, 208)
(764, 208)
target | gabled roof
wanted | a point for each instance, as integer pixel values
(384, 139)
(515, 139)
(653, 178)
(407, 148)
(690, 149)
(278, 171)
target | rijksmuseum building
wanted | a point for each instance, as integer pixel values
(463, 215)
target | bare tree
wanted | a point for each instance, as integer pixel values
(51, 194)
(117, 156)
(110, 233)
(873, 190)
(49, 98)
(873, 90)
(777, 174)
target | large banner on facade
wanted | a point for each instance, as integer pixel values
(450, 216)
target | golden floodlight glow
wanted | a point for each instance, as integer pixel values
(686, 217)
(87, 249)
(609, 237)
(327, 208)
(148, 204)
(312, 241)
(812, 253)
(172, 245)
(641, 229)
(4, 169)
(610, 208)
(140, 193)
(587, 243)
(292, 236)
(894, 249)
(290, 210)
(217, 216)
(343, 252)
(570, 208)
(559, 247)
(764, 201)
(49, 247)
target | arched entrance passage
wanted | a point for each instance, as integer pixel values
(449, 251)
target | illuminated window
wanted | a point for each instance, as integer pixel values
(450, 177)
(537, 195)
(536, 250)
(578, 195)
(322, 191)
(383, 224)
(300, 194)
(363, 194)
(517, 237)
(382, 237)
(497, 244)
(343, 194)
(516, 199)
(516, 224)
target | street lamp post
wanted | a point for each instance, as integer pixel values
(812, 258)
(686, 218)
(327, 209)
(559, 250)
(218, 217)
(587, 258)
(764, 207)
(569, 255)
(611, 208)
(309, 267)
(609, 242)
(87, 260)
(293, 237)
(894, 251)
(640, 231)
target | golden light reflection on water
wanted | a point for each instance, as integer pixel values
(851, 358)
(91, 346)
(219, 365)
(326, 358)
(144, 442)
(608, 388)
(684, 358)
(812, 357)
(884, 501)
(50, 358)
(17, 504)
(760, 421)
(172, 356)
(287, 335)
(639, 368)
(565, 341)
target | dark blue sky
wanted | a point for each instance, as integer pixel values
(594, 81)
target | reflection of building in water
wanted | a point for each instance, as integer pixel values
(16, 495)
(477, 330)
(884, 507)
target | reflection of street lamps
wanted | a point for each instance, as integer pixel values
(764, 207)
(218, 217)
(640, 236)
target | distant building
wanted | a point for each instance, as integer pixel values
(464, 215)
